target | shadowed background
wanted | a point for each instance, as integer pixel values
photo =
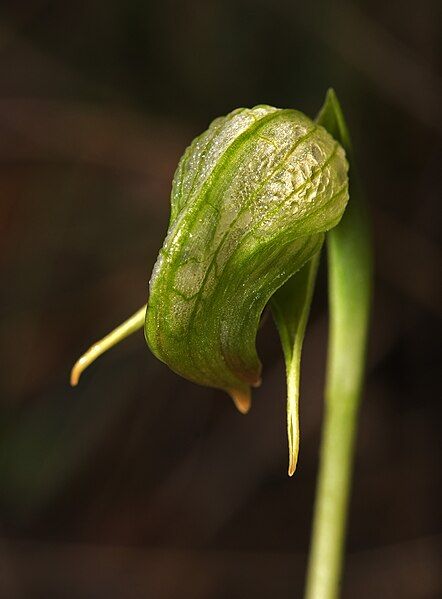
(139, 484)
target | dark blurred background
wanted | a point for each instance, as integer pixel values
(138, 484)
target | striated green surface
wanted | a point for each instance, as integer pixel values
(350, 269)
(251, 200)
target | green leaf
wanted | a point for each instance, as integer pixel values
(251, 200)
(350, 282)
(350, 275)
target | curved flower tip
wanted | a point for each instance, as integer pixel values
(125, 329)
(76, 373)
(292, 463)
(82, 363)
(293, 431)
(293, 435)
(242, 399)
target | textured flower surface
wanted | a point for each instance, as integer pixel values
(251, 200)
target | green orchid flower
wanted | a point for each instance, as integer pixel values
(253, 199)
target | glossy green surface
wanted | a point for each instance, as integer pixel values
(251, 200)
(350, 274)
(291, 307)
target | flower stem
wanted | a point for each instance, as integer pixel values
(326, 553)
(350, 281)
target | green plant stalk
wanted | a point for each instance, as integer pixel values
(350, 281)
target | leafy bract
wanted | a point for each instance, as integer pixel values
(350, 281)
(350, 276)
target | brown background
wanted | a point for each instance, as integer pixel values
(140, 484)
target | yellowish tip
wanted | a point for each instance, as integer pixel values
(292, 464)
(128, 327)
(85, 360)
(293, 434)
(75, 374)
(241, 399)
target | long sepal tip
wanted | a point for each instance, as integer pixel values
(125, 329)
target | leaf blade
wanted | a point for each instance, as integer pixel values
(349, 251)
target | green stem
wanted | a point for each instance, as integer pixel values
(350, 297)
(326, 554)
(350, 279)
